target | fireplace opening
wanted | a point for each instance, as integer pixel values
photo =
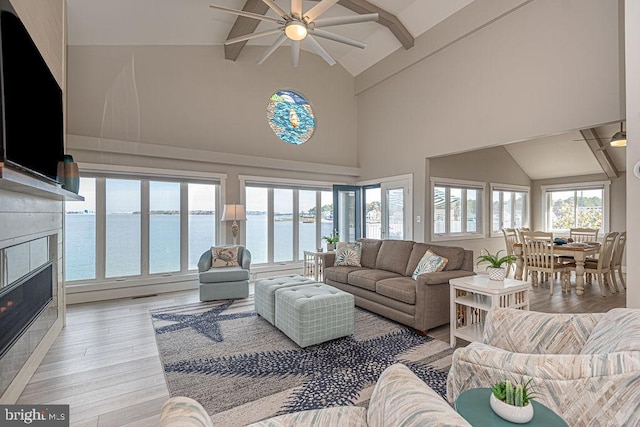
(22, 302)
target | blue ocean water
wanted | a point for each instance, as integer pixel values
(123, 242)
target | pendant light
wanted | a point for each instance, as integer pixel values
(619, 139)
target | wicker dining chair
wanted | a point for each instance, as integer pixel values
(616, 260)
(539, 258)
(600, 268)
(510, 239)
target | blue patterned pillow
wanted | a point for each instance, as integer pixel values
(348, 254)
(430, 263)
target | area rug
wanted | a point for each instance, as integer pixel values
(242, 369)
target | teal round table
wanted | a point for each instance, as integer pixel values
(474, 407)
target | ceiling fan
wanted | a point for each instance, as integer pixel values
(299, 26)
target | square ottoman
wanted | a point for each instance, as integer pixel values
(314, 313)
(265, 293)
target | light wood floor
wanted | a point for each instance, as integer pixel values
(105, 362)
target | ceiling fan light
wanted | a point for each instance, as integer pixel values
(619, 139)
(295, 30)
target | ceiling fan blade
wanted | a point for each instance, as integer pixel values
(272, 48)
(253, 36)
(248, 14)
(296, 8)
(320, 50)
(341, 20)
(277, 9)
(337, 38)
(295, 52)
(318, 9)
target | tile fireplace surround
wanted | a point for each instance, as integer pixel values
(30, 235)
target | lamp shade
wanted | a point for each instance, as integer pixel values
(619, 139)
(234, 213)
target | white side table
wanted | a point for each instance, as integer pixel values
(314, 265)
(473, 296)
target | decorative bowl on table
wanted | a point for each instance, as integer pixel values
(515, 414)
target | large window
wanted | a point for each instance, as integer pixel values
(457, 209)
(581, 205)
(135, 226)
(285, 220)
(509, 207)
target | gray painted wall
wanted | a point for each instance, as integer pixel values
(189, 96)
(544, 68)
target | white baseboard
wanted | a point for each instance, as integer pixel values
(129, 292)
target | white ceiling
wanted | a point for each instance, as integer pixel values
(564, 155)
(193, 22)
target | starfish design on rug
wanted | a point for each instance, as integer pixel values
(206, 323)
(335, 371)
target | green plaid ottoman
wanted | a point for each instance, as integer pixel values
(314, 313)
(265, 293)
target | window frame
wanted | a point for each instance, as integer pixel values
(464, 185)
(296, 185)
(508, 188)
(101, 173)
(605, 186)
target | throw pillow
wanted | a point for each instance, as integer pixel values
(224, 256)
(348, 254)
(430, 263)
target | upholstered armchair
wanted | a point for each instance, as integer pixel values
(224, 273)
(585, 367)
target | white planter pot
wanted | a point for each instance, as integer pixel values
(496, 273)
(330, 247)
(515, 414)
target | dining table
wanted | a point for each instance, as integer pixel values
(579, 251)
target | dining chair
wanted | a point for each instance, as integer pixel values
(616, 260)
(600, 268)
(539, 259)
(519, 232)
(584, 235)
(510, 238)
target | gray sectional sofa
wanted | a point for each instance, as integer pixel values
(383, 284)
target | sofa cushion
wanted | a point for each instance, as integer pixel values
(369, 253)
(454, 254)
(441, 277)
(348, 254)
(617, 330)
(367, 278)
(430, 263)
(418, 251)
(340, 273)
(399, 288)
(394, 255)
(224, 274)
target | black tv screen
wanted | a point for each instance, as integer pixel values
(32, 119)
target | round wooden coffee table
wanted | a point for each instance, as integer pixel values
(474, 407)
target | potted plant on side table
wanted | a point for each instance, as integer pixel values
(512, 401)
(331, 240)
(495, 267)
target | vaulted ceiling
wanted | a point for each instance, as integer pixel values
(193, 22)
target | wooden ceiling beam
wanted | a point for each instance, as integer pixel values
(244, 26)
(594, 142)
(385, 18)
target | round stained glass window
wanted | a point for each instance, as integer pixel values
(290, 116)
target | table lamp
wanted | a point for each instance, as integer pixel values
(234, 213)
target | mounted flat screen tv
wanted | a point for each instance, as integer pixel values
(31, 109)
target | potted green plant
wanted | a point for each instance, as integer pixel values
(496, 262)
(512, 401)
(331, 240)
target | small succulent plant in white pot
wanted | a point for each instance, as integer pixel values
(512, 401)
(496, 263)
